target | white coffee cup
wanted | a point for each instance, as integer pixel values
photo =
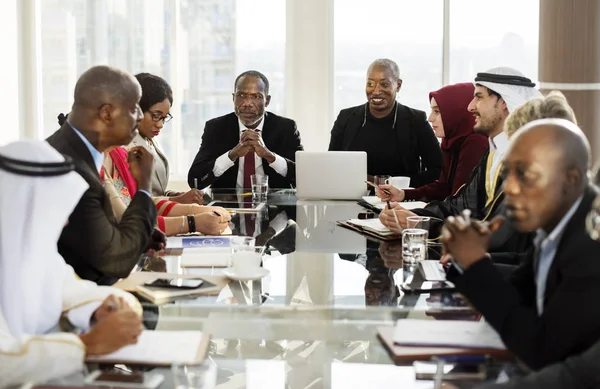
(246, 261)
(399, 182)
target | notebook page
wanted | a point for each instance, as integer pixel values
(371, 224)
(446, 333)
(158, 347)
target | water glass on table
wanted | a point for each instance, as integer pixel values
(260, 188)
(414, 245)
(421, 222)
(202, 376)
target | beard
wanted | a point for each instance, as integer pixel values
(487, 125)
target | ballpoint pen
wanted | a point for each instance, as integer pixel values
(195, 183)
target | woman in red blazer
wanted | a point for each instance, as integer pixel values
(461, 146)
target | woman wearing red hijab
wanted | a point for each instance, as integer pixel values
(461, 146)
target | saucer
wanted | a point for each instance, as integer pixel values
(255, 274)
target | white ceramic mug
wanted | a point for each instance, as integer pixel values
(399, 182)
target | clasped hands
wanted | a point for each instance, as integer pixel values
(251, 141)
(466, 241)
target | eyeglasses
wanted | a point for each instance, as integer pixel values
(157, 116)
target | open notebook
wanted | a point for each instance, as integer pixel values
(160, 348)
(376, 202)
(372, 227)
(446, 333)
(415, 340)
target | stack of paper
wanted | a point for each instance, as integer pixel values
(160, 348)
(447, 333)
(206, 258)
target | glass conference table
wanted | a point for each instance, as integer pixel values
(312, 322)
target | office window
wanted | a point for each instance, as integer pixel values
(486, 34)
(406, 31)
(215, 39)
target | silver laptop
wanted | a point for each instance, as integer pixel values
(331, 175)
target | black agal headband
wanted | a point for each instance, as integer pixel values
(36, 169)
(504, 79)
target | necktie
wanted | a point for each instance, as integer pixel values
(249, 168)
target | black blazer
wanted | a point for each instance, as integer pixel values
(99, 248)
(420, 149)
(223, 133)
(570, 322)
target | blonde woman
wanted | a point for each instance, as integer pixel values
(554, 105)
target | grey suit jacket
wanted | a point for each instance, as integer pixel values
(160, 178)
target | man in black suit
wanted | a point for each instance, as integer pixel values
(246, 142)
(547, 311)
(105, 113)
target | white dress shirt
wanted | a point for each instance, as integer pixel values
(546, 246)
(97, 156)
(223, 163)
(499, 144)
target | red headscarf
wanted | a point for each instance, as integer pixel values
(453, 100)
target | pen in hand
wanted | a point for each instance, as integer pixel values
(387, 192)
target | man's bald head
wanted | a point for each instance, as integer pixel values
(106, 108)
(101, 85)
(545, 171)
(563, 137)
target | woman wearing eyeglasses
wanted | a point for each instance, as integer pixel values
(156, 101)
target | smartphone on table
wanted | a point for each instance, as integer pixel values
(176, 283)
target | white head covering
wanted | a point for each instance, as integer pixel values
(34, 211)
(513, 95)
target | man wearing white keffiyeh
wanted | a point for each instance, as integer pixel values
(38, 291)
(497, 93)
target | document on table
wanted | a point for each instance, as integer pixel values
(160, 348)
(174, 242)
(446, 333)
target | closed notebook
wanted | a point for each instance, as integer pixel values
(193, 242)
(160, 348)
(446, 333)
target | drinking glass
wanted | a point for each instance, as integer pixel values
(414, 245)
(421, 222)
(260, 188)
